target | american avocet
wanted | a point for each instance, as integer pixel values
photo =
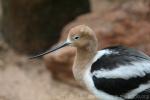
(113, 73)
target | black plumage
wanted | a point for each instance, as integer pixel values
(145, 95)
(119, 86)
(119, 56)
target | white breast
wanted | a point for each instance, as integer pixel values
(90, 86)
(121, 72)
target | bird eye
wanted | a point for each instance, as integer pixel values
(76, 37)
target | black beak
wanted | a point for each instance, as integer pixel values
(51, 50)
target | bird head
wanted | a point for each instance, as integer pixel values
(81, 37)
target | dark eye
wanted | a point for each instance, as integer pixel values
(76, 37)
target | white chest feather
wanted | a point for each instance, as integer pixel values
(99, 94)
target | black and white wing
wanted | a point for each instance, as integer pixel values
(144, 95)
(121, 71)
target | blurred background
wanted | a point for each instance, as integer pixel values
(28, 27)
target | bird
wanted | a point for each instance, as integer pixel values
(112, 73)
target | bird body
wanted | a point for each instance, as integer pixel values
(117, 73)
(113, 73)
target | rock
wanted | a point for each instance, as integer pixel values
(122, 25)
(29, 25)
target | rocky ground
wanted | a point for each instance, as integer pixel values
(24, 79)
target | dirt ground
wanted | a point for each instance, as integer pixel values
(24, 79)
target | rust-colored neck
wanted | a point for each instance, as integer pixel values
(84, 55)
(82, 60)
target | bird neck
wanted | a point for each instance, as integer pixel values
(82, 59)
(87, 52)
(84, 55)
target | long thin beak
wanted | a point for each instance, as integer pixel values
(51, 50)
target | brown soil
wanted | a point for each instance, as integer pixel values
(24, 79)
